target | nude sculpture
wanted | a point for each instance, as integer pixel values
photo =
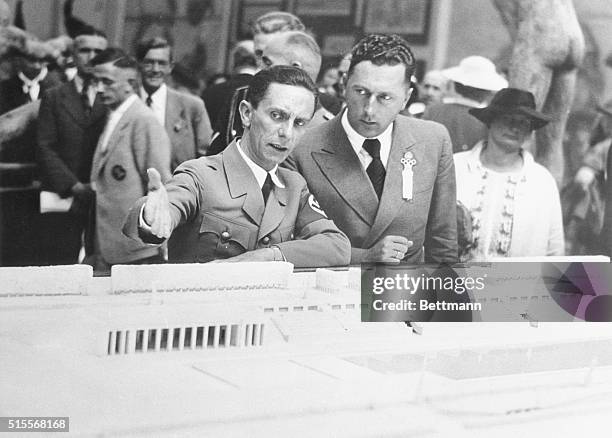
(548, 49)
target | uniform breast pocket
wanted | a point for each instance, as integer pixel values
(221, 238)
(286, 234)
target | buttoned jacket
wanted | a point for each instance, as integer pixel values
(336, 177)
(119, 175)
(218, 211)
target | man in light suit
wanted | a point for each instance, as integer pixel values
(255, 211)
(132, 141)
(386, 180)
(70, 121)
(184, 116)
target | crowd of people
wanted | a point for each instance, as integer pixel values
(365, 165)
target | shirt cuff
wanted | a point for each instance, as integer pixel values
(278, 254)
(142, 223)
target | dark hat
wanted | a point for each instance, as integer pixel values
(508, 101)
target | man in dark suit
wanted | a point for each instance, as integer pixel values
(217, 97)
(132, 141)
(30, 80)
(386, 180)
(69, 123)
(256, 212)
(184, 116)
(475, 82)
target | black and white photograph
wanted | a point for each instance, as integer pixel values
(298, 218)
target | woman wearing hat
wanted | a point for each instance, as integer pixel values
(513, 201)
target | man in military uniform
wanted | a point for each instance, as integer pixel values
(239, 205)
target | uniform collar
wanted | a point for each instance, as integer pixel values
(259, 172)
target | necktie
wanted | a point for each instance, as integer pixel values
(148, 100)
(85, 98)
(267, 188)
(376, 170)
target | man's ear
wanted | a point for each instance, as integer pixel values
(246, 113)
(135, 84)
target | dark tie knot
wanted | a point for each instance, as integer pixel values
(372, 146)
(148, 100)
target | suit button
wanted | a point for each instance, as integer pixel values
(265, 240)
(225, 236)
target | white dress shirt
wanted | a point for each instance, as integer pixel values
(113, 120)
(356, 140)
(158, 104)
(32, 86)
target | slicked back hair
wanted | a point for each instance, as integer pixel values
(304, 49)
(152, 43)
(115, 56)
(382, 49)
(276, 21)
(279, 74)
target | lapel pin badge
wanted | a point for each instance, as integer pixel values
(408, 162)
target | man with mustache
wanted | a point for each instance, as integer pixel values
(184, 117)
(238, 205)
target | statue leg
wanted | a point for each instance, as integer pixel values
(527, 72)
(549, 139)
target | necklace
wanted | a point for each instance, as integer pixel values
(502, 239)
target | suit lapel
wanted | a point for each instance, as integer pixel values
(172, 109)
(98, 110)
(274, 211)
(71, 101)
(341, 166)
(101, 157)
(241, 182)
(392, 196)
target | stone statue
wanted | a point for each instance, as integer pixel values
(548, 49)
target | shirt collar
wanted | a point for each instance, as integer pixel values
(259, 172)
(79, 82)
(475, 164)
(158, 95)
(356, 140)
(121, 109)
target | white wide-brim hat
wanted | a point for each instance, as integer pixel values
(477, 72)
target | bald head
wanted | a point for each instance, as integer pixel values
(434, 87)
(293, 48)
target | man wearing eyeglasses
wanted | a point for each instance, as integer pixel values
(184, 116)
(69, 124)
